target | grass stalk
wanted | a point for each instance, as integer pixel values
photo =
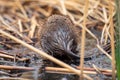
(117, 37)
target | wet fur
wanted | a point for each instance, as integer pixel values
(59, 38)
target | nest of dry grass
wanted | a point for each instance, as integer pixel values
(23, 18)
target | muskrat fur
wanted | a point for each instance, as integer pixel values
(59, 37)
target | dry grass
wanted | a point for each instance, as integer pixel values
(23, 19)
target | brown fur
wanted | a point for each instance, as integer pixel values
(59, 38)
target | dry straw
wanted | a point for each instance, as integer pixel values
(23, 18)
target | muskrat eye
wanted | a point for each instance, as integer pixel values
(62, 24)
(65, 19)
(51, 22)
(56, 19)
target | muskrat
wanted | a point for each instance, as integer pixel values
(59, 37)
